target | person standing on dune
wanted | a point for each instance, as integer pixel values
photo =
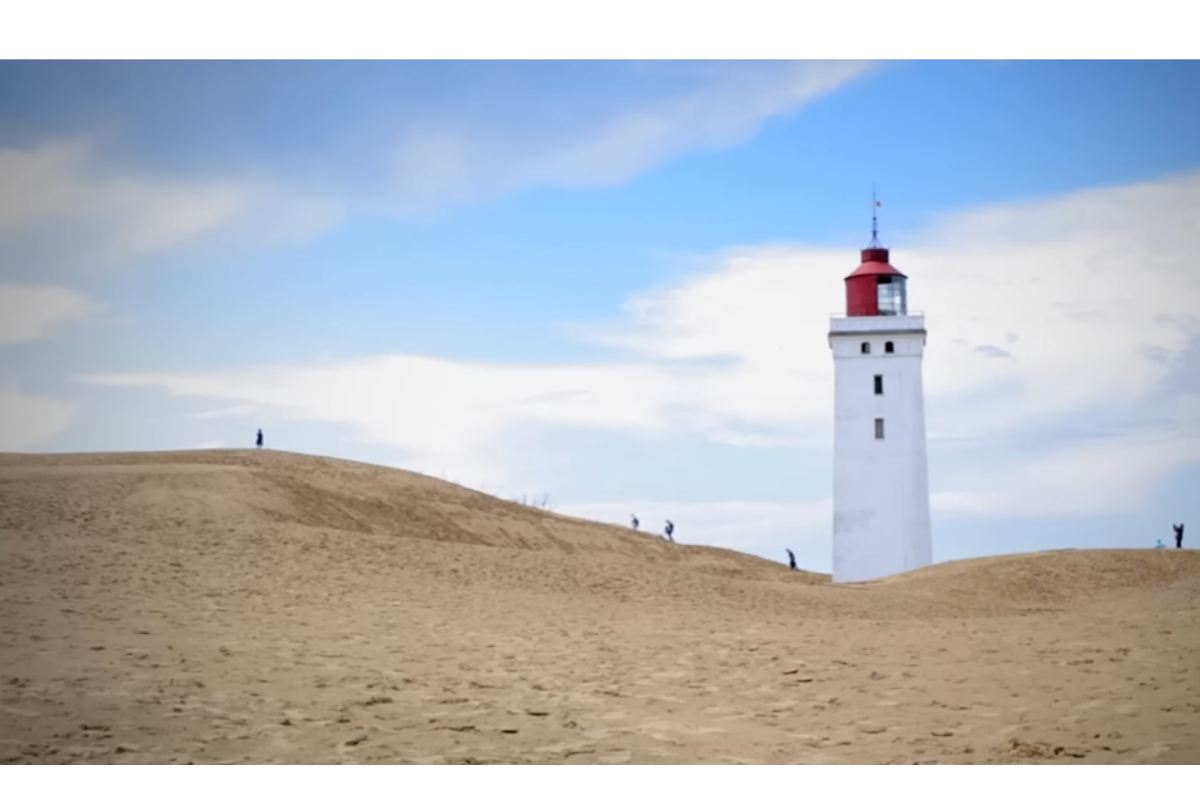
(633, 521)
(670, 531)
(1178, 535)
(258, 440)
(791, 558)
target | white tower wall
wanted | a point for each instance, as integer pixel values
(881, 486)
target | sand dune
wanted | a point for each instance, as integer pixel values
(234, 606)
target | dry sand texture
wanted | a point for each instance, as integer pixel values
(232, 606)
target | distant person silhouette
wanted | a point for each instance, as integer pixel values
(1178, 534)
(633, 521)
(1159, 545)
(791, 558)
(670, 531)
(258, 440)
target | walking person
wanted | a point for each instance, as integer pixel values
(670, 531)
(1178, 535)
(258, 440)
(633, 521)
(791, 559)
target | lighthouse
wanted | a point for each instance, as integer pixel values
(880, 477)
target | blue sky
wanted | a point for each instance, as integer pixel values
(609, 282)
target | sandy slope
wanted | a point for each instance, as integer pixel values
(230, 606)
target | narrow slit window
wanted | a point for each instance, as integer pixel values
(878, 384)
(866, 348)
(888, 347)
(879, 427)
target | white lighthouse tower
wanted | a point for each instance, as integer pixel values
(880, 478)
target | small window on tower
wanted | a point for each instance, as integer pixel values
(888, 347)
(866, 348)
(878, 384)
(879, 427)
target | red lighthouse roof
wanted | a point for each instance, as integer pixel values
(875, 262)
(876, 288)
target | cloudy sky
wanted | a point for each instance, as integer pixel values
(608, 284)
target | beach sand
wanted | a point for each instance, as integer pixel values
(265, 607)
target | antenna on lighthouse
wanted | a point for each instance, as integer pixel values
(874, 219)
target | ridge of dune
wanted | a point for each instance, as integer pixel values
(246, 487)
(1050, 576)
(321, 492)
(261, 606)
(274, 487)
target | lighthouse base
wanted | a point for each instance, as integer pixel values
(863, 552)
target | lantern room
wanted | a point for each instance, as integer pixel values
(876, 288)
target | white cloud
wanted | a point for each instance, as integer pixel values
(28, 420)
(1076, 477)
(448, 414)
(59, 189)
(435, 164)
(34, 311)
(243, 410)
(1076, 289)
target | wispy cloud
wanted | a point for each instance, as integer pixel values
(426, 159)
(35, 311)
(231, 411)
(1075, 477)
(434, 164)
(110, 213)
